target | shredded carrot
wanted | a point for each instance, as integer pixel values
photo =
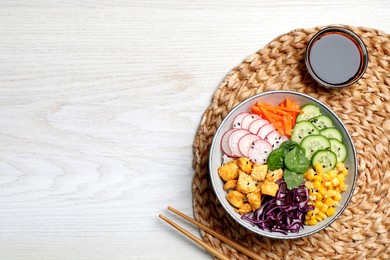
(257, 110)
(283, 117)
(288, 102)
(274, 109)
(270, 116)
(289, 109)
(287, 124)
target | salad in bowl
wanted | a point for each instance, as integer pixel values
(283, 164)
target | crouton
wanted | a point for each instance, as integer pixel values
(228, 171)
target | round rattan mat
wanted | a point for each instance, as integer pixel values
(362, 231)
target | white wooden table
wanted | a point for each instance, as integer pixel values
(99, 105)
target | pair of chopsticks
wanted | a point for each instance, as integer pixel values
(210, 249)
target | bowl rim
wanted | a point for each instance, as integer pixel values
(256, 229)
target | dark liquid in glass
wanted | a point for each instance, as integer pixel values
(335, 58)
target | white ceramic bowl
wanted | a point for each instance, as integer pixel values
(274, 98)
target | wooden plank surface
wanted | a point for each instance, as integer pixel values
(99, 105)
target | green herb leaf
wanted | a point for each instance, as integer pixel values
(292, 179)
(275, 159)
(296, 161)
(288, 145)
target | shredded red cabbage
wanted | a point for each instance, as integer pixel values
(284, 213)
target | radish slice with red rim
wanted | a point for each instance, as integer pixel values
(248, 119)
(225, 143)
(238, 119)
(274, 139)
(245, 142)
(259, 151)
(234, 138)
(265, 130)
(256, 125)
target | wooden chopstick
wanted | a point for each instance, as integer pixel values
(210, 249)
(231, 243)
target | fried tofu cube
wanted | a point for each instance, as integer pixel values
(236, 198)
(245, 184)
(244, 209)
(274, 175)
(228, 171)
(229, 185)
(269, 188)
(254, 199)
(258, 172)
(244, 164)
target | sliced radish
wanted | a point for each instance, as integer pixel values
(265, 130)
(248, 119)
(274, 138)
(283, 139)
(234, 138)
(238, 119)
(259, 151)
(256, 125)
(225, 142)
(245, 142)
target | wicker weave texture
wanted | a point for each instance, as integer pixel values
(362, 231)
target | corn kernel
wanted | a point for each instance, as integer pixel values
(322, 215)
(330, 193)
(343, 187)
(344, 172)
(324, 208)
(317, 178)
(322, 190)
(330, 211)
(332, 173)
(318, 204)
(312, 222)
(328, 184)
(329, 202)
(310, 213)
(318, 167)
(317, 184)
(341, 177)
(335, 181)
(316, 210)
(340, 166)
(310, 175)
(338, 196)
(319, 196)
(313, 197)
(325, 177)
(318, 217)
(309, 185)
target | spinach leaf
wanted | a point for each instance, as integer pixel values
(275, 159)
(296, 161)
(288, 145)
(292, 179)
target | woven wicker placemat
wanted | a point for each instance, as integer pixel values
(362, 231)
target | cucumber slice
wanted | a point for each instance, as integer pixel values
(326, 158)
(309, 111)
(332, 133)
(339, 149)
(313, 143)
(303, 129)
(321, 122)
